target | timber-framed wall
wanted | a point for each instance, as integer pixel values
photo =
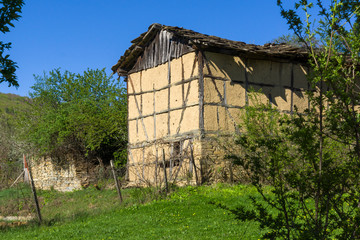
(185, 93)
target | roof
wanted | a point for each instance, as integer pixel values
(205, 42)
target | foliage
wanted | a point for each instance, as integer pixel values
(9, 11)
(311, 159)
(282, 151)
(11, 147)
(78, 114)
(292, 40)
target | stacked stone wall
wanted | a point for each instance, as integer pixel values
(65, 176)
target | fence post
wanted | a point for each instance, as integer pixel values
(33, 191)
(165, 176)
(116, 181)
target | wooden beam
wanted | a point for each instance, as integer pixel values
(167, 86)
(201, 90)
(165, 175)
(169, 98)
(246, 83)
(138, 108)
(184, 105)
(164, 111)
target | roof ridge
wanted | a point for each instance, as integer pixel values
(207, 43)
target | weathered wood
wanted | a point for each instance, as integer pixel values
(165, 175)
(117, 184)
(167, 86)
(201, 90)
(169, 92)
(193, 162)
(182, 82)
(143, 163)
(171, 160)
(154, 111)
(246, 83)
(156, 165)
(183, 41)
(163, 111)
(33, 190)
(181, 161)
(182, 137)
(21, 174)
(259, 84)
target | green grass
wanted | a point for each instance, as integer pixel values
(187, 213)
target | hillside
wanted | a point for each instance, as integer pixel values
(12, 103)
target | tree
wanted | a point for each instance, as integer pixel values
(78, 114)
(311, 160)
(11, 147)
(10, 11)
(293, 40)
(289, 39)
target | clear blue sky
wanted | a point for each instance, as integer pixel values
(78, 34)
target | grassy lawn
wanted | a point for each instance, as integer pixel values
(187, 213)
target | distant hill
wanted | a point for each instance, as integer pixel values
(12, 103)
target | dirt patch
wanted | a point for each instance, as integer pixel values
(14, 221)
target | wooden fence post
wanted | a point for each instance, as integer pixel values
(116, 181)
(34, 192)
(165, 176)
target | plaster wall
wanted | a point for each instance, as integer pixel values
(163, 108)
(228, 78)
(227, 82)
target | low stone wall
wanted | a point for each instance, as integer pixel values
(48, 174)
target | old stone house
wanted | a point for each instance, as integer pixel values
(185, 92)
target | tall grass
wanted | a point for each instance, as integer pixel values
(187, 213)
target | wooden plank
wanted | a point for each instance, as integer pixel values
(157, 51)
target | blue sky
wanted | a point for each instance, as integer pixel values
(78, 34)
